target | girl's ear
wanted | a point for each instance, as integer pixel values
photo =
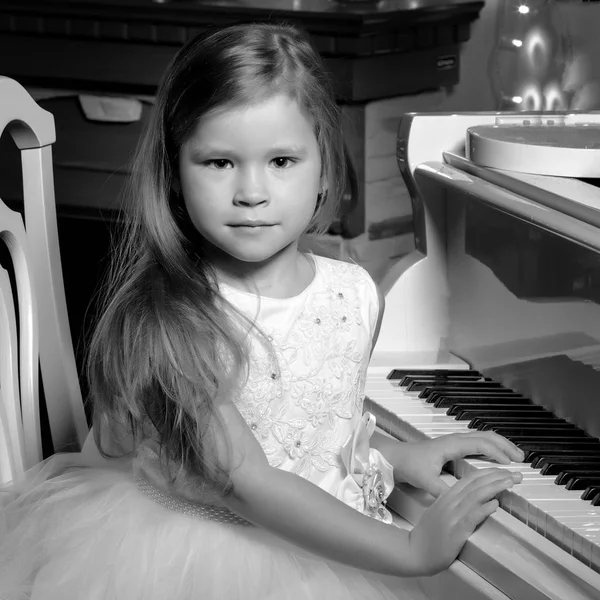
(323, 187)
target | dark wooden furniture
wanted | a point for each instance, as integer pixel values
(374, 50)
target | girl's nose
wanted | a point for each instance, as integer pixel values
(251, 190)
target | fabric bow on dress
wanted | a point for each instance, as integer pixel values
(369, 476)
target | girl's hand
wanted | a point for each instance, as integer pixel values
(446, 525)
(421, 463)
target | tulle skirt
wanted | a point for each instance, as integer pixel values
(75, 532)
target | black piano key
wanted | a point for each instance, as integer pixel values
(553, 446)
(541, 419)
(581, 483)
(417, 385)
(564, 476)
(400, 373)
(464, 386)
(596, 500)
(565, 442)
(525, 424)
(590, 492)
(486, 395)
(443, 401)
(493, 410)
(519, 430)
(410, 380)
(559, 467)
(539, 462)
(469, 413)
(453, 376)
(532, 453)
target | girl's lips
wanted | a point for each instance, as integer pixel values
(251, 224)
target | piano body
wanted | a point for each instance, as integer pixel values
(504, 281)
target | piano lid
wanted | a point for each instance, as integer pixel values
(551, 145)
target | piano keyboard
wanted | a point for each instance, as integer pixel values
(559, 496)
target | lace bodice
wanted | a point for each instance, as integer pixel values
(304, 394)
(303, 398)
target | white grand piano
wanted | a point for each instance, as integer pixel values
(494, 323)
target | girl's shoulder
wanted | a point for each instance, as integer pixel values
(339, 273)
(350, 282)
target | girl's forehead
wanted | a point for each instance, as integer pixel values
(280, 100)
(278, 115)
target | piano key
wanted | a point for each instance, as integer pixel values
(533, 425)
(433, 427)
(541, 461)
(399, 373)
(416, 384)
(485, 396)
(529, 423)
(463, 387)
(511, 432)
(582, 483)
(548, 492)
(572, 506)
(533, 454)
(523, 468)
(555, 468)
(465, 411)
(564, 476)
(487, 391)
(549, 497)
(574, 443)
(453, 376)
(444, 401)
(540, 505)
(590, 492)
(541, 418)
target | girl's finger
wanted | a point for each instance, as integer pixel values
(504, 445)
(471, 478)
(435, 486)
(488, 443)
(484, 511)
(486, 489)
(485, 477)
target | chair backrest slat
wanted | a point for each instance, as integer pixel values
(43, 334)
(12, 443)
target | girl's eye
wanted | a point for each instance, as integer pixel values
(218, 163)
(281, 162)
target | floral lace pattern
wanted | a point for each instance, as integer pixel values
(304, 394)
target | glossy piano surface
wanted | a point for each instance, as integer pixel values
(506, 281)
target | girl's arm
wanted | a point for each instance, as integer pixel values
(302, 513)
(421, 463)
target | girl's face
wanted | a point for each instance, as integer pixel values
(250, 178)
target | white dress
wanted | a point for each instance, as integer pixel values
(75, 530)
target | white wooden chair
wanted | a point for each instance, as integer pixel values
(40, 340)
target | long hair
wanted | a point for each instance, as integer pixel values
(167, 347)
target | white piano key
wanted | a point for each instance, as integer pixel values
(524, 468)
(537, 501)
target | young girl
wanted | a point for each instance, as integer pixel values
(227, 372)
